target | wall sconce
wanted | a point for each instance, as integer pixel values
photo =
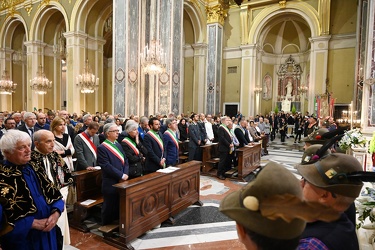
(258, 89)
(303, 89)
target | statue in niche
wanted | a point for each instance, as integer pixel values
(289, 89)
(267, 87)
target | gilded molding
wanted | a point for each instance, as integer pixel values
(29, 8)
(9, 4)
(282, 4)
(216, 13)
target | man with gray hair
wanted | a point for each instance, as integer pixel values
(171, 143)
(87, 119)
(28, 222)
(18, 118)
(143, 127)
(28, 127)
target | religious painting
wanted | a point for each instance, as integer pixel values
(267, 87)
(323, 106)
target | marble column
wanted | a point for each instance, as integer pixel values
(215, 20)
(120, 9)
(137, 23)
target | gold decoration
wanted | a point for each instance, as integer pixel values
(217, 13)
(7, 4)
(282, 4)
(43, 2)
(29, 8)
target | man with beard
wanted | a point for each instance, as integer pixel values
(155, 147)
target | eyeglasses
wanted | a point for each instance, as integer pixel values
(114, 131)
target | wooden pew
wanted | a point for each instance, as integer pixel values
(210, 157)
(183, 152)
(149, 200)
(248, 159)
(88, 186)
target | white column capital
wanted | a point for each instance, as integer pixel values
(320, 42)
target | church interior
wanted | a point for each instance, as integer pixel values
(213, 57)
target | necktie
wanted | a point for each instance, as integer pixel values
(31, 132)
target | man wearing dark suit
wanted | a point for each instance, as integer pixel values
(18, 118)
(86, 144)
(225, 147)
(28, 127)
(242, 134)
(115, 168)
(155, 147)
(41, 122)
(195, 152)
(143, 128)
(171, 143)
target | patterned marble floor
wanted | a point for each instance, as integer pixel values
(198, 227)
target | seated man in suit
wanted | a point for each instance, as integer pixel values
(86, 144)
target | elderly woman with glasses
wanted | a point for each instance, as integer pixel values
(115, 168)
(134, 150)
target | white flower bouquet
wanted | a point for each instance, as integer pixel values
(351, 138)
(365, 205)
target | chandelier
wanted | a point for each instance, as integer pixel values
(87, 81)
(40, 83)
(303, 89)
(7, 87)
(152, 58)
(258, 89)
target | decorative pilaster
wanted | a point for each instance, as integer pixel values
(244, 24)
(75, 46)
(34, 58)
(324, 16)
(199, 91)
(319, 67)
(215, 20)
(248, 79)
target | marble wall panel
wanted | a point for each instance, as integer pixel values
(119, 55)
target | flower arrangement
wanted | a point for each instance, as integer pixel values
(351, 138)
(365, 205)
(372, 144)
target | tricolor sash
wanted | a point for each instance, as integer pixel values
(131, 144)
(114, 150)
(227, 130)
(89, 143)
(172, 136)
(157, 138)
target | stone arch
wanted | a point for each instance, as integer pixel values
(80, 13)
(101, 20)
(198, 21)
(9, 26)
(304, 10)
(37, 28)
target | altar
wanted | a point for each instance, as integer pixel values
(295, 104)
